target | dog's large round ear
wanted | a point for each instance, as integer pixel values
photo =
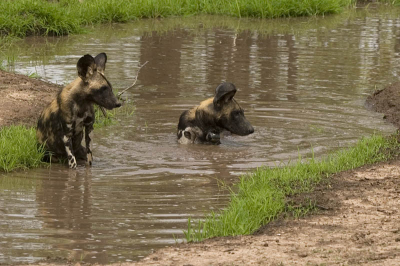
(224, 93)
(101, 60)
(86, 67)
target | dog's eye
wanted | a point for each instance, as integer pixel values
(237, 112)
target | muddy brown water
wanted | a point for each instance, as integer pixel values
(302, 83)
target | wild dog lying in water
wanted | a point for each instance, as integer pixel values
(205, 122)
(63, 121)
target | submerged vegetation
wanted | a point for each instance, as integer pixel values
(19, 149)
(26, 17)
(262, 195)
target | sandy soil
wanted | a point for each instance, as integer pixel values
(23, 98)
(356, 222)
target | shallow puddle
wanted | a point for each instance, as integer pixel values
(302, 83)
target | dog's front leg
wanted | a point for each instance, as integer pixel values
(67, 139)
(88, 129)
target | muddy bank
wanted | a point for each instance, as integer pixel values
(23, 98)
(357, 223)
(387, 102)
(356, 220)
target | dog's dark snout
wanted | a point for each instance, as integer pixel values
(251, 130)
(118, 105)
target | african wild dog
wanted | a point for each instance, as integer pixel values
(63, 121)
(205, 122)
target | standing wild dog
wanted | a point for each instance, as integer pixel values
(63, 121)
(205, 122)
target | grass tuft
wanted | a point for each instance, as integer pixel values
(19, 149)
(262, 195)
(26, 17)
(101, 120)
(126, 110)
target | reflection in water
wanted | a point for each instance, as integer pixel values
(302, 83)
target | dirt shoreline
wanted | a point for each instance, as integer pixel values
(23, 98)
(356, 224)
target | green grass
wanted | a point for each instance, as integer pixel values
(20, 18)
(127, 109)
(27, 17)
(101, 120)
(263, 195)
(18, 148)
(40, 17)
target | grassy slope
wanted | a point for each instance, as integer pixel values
(262, 195)
(26, 17)
(18, 148)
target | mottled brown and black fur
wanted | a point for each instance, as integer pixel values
(205, 122)
(68, 118)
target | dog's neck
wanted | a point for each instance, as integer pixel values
(206, 121)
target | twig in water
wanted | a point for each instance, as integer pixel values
(103, 111)
(136, 78)
(124, 90)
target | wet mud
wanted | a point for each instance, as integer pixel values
(387, 102)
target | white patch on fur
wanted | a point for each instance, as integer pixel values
(72, 161)
(68, 151)
(89, 159)
(195, 133)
